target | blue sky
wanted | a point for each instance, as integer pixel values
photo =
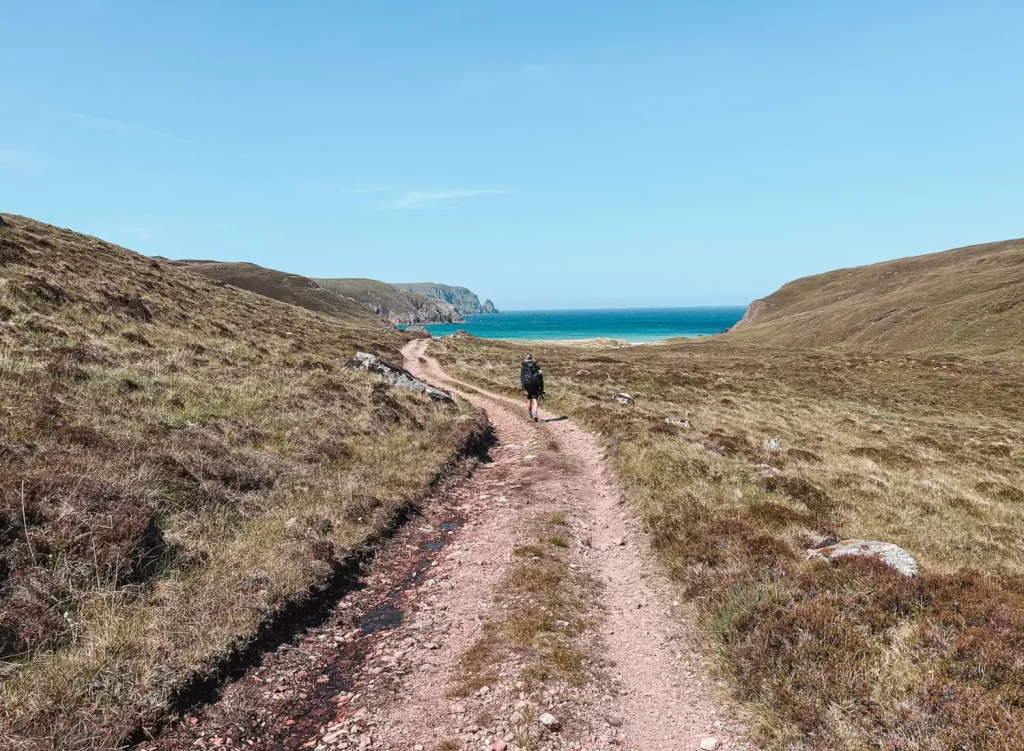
(547, 155)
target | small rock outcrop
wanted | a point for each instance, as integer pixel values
(773, 444)
(623, 398)
(4, 224)
(887, 552)
(754, 313)
(685, 424)
(396, 377)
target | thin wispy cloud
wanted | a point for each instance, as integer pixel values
(114, 126)
(424, 199)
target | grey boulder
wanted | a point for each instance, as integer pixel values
(678, 423)
(887, 552)
(396, 377)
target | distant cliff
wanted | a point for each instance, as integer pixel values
(464, 301)
(342, 298)
(395, 305)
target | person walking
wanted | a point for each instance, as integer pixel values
(531, 378)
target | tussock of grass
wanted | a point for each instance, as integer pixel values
(177, 461)
(545, 605)
(924, 452)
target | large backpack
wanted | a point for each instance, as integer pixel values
(534, 378)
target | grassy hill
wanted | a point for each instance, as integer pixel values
(392, 304)
(966, 301)
(279, 285)
(179, 462)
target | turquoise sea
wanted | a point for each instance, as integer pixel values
(633, 325)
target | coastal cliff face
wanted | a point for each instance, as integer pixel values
(429, 311)
(398, 307)
(755, 311)
(341, 298)
(464, 301)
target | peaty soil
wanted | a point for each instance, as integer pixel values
(520, 610)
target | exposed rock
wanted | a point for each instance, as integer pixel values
(754, 313)
(431, 311)
(549, 721)
(396, 377)
(678, 423)
(773, 444)
(462, 300)
(623, 398)
(417, 328)
(887, 552)
(710, 744)
(4, 224)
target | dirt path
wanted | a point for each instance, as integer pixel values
(664, 697)
(423, 654)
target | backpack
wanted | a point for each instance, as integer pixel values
(534, 378)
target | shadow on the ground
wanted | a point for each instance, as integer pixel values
(556, 419)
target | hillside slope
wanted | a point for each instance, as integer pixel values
(393, 305)
(464, 301)
(963, 301)
(279, 285)
(179, 462)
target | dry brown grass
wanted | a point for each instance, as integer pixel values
(968, 300)
(280, 285)
(545, 627)
(924, 452)
(177, 461)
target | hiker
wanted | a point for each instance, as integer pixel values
(531, 377)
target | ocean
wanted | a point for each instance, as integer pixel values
(633, 325)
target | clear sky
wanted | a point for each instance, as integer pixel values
(545, 154)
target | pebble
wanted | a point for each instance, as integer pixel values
(710, 744)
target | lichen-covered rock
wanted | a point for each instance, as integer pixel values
(887, 552)
(623, 398)
(396, 377)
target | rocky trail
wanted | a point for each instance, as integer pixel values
(435, 648)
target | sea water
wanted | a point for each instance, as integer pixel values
(633, 325)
